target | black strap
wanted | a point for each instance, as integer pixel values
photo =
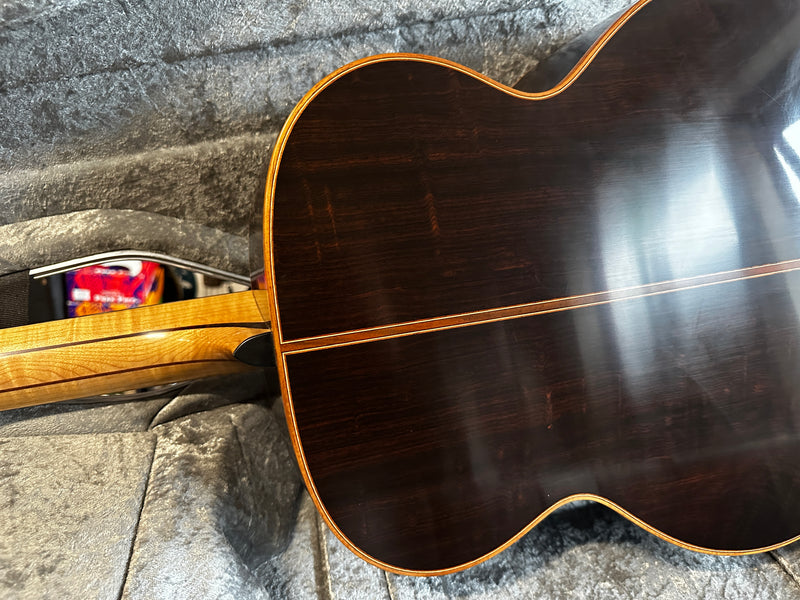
(14, 295)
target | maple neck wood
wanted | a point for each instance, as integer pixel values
(118, 351)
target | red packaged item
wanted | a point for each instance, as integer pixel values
(113, 286)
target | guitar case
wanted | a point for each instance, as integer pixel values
(113, 111)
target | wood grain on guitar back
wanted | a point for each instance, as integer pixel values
(420, 217)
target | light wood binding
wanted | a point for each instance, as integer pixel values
(117, 351)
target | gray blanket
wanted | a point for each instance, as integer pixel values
(148, 125)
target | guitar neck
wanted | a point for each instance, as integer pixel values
(118, 351)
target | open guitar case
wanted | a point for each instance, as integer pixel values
(148, 126)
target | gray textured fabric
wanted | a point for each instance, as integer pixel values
(69, 507)
(78, 234)
(188, 501)
(220, 502)
(581, 551)
(148, 125)
(98, 416)
(591, 552)
(170, 108)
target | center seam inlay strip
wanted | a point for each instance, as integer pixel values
(534, 308)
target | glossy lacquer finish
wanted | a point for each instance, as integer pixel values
(487, 303)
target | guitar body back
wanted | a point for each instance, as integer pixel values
(487, 304)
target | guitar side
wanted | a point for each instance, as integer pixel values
(124, 350)
(488, 304)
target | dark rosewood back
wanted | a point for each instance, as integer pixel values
(486, 304)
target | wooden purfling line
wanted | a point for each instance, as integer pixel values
(535, 308)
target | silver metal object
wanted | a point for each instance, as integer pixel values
(95, 259)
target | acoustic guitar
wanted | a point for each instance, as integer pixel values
(487, 303)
